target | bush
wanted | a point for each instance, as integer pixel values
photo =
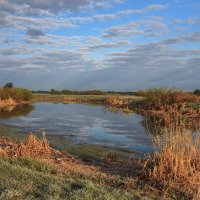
(17, 94)
(8, 85)
(180, 97)
(158, 97)
(142, 93)
(21, 94)
(197, 92)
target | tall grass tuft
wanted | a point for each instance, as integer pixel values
(176, 162)
(31, 147)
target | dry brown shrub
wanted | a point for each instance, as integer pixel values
(116, 101)
(156, 98)
(176, 163)
(2, 152)
(180, 115)
(181, 97)
(31, 147)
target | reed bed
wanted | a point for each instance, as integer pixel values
(31, 147)
(175, 115)
(176, 162)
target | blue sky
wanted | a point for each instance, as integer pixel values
(120, 45)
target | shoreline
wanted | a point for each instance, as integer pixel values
(9, 104)
(116, 175)
(143, 172)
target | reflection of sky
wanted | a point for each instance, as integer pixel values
(85, 124)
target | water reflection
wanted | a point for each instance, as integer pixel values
(152, 126)
(16, 111)
(83, 124)
(155, 126)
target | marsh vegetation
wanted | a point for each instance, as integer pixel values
(11, 96)
(172, 171)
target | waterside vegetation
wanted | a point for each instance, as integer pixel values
(11, 96)
(172, 172)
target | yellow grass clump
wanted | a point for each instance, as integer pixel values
(31, 147)
(116, 101)
(39, 149)
(176, 162)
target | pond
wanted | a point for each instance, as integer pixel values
(79, 124)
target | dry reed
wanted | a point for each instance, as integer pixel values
(175, 115)
(31, 147)
(176, 162)
(39, 149)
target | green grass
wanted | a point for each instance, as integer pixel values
(97, 153)
(87, 152)
(30, 179)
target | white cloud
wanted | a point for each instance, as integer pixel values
(128, 12)
(48, 7)
(148, 27)
(189, 21)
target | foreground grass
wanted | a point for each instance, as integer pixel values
(33, 170)
(30, 179)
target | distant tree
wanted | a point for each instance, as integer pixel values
(142, 93)
(197, 92)
(8, 86)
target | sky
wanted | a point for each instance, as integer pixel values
(121, 45)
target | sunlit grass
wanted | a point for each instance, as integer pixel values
(176, 162)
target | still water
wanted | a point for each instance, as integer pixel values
(80, 124)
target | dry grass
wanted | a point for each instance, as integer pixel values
(174, 116)
(39, 149)
(110, 175)
(118, 102)
(176, 163)
(31, 147)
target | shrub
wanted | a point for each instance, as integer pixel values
(8, 85)
(17, 94)
(197, 92)
(21, 94)
(180, 97)
(158, 97)
(142, 93)
(5, 93)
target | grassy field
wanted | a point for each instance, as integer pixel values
(31, 179)
(82, 98)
